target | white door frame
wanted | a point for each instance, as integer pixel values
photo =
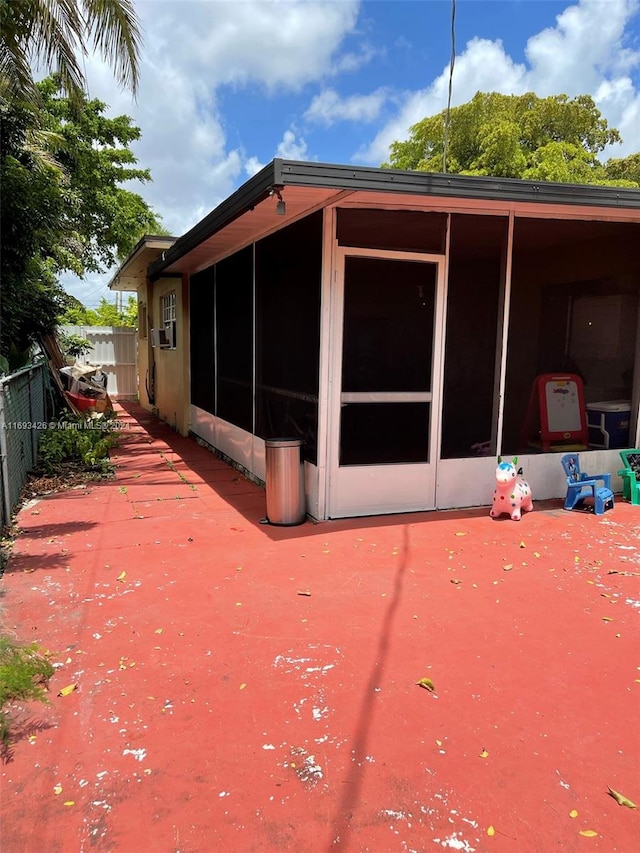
(370, 489)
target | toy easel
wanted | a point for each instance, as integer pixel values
(556, 418)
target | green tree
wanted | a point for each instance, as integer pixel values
(519, 136)
(106, 314)
(64, 212)
(57, 34)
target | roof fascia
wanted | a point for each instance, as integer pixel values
(282, 173)
(244, 199)
(295, 173)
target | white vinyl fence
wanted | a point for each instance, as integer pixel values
(116, 349)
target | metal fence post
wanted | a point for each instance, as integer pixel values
(4, 461)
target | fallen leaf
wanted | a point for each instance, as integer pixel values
(484, 754)
(523, 545)
(573, 813)
(68, 689)
(70, 803)
(490, 831)
(121, 577)
(508, 567)
(536, 554)
(57, 789)
(588, 833)
(158, 631)
(438, 743)
(456, 580)
(607, 618)
(243, 685)
(620, 799)
(426, 683)
(304, 592)
(461, 533)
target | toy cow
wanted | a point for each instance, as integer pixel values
(512, 493)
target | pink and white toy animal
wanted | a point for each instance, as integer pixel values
(512, 493)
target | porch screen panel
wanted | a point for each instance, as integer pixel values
(476, 267)
(288, 282)
(234, 335)
(575, 289)
(201, 314)
(396, 230)
(387, 349)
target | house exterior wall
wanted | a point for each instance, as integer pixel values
(165, 372)
(144, 345)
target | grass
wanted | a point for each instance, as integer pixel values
(24, 675)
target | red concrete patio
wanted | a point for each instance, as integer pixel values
(245, 687)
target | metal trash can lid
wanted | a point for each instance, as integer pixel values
(284, 442)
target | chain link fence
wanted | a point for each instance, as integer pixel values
(23, 415)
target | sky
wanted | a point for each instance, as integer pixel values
(227, 85)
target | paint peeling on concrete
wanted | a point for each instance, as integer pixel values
(454, 842)
(138, 754)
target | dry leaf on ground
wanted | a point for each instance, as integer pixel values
(620, 799)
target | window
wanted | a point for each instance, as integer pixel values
(142, 321)
(168, 309)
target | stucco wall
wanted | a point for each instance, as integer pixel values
(170, 396)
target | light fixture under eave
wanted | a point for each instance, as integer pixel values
(281, 207)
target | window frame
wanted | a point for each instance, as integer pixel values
(168, 316)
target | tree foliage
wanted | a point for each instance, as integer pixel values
(55, 35)
(64, 208)
(519, 136)
(106, 314)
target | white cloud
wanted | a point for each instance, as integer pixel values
(583, 53)
(328, 107)
(191, 49)
(279, 43)
(292, 148)
(253, 166)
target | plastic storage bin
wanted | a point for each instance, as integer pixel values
(285, 481)
(609, 424)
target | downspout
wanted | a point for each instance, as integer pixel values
(4, 459)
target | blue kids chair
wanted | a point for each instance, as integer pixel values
(581, 486)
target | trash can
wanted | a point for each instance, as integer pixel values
(285, 481)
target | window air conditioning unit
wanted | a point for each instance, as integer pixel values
(160, 338)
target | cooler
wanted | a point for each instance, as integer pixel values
(609, 424)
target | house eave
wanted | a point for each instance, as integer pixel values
(280, 174)
(132, 272)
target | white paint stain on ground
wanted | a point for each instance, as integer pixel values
(138, 754)
(455, 842)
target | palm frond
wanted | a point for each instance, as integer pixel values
(115, 32)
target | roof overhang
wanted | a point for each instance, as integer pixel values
(133, 271)
(254, 210)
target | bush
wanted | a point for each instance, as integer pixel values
(74, 345)
(23, 677)
(77, 439)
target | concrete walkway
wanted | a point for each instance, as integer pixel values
(245, 687)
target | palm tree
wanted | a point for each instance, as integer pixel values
(54, 35)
